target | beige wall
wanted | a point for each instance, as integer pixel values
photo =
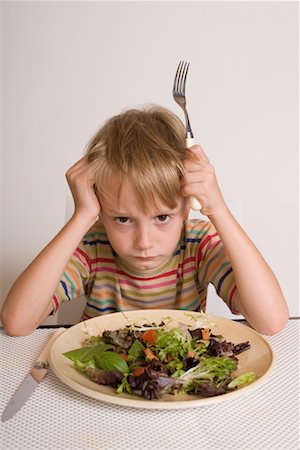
(68, 66)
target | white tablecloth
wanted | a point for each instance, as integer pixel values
(56, 417)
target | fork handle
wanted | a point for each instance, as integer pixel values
(195, 204)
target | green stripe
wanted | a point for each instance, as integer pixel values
(95, 234)
(196, 232)
(71, 285)
(224, 264)
(105, 278)
(77, 265)
(190, 305)
(106, 301)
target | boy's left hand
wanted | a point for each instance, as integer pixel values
(200, 181)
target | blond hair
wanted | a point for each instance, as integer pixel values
(146, 146)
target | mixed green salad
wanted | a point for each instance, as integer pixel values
(151, 360)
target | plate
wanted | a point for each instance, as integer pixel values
(259, 358)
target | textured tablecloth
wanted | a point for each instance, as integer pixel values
(56, 417)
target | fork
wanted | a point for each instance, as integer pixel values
(179, 97)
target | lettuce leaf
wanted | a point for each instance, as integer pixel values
(242, 380)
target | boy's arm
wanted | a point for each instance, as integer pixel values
(29, 301)
(259, 296)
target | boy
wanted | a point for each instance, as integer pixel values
(129, 244)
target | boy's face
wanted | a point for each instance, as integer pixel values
(144, 241)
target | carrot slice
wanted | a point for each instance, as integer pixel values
(149, 353)
(138, 371)
(205, 333)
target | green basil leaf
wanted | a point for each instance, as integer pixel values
(111, 361)
(84, 354)
(136, 350)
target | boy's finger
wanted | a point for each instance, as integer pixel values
(195, 166)
(77, 168)
(92, 168)
(199, 153)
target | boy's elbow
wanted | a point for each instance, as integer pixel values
(13, 327)
(275, 324)
(14, 330)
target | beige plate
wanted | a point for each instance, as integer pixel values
(259, 358)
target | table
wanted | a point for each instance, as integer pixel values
(56, 417)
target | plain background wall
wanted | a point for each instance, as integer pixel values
(68, 66)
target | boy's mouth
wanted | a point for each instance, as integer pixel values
(145, 258)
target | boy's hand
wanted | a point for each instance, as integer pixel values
(200, 180)
(80, 178)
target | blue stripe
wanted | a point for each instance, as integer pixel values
(96, 241)
(211, 261)
(108, 308)
(65, 289)
(71, 285)
(193, 240)
(100, 301)
(177, 252)
(222, 279)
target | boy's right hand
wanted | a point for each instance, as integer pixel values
(80, 178)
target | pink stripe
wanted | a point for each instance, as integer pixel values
(210, 245)
(153, 286)
(105, 269)
(108, 260)
(230, 300)
(56, 302)
(82, 253)
(189, 269)
(165, 283)
(186, 261)
(164, 275)
(84, 316)
(120, 272)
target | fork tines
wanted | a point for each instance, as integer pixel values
(180, 78)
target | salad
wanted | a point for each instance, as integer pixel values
(150, 360)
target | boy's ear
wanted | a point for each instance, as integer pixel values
(187, 208)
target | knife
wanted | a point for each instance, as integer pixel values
(32, 380)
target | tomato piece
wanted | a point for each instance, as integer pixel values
(124, 356)
(150, 337)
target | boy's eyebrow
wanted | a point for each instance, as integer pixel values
(116, 213)
(155, 213)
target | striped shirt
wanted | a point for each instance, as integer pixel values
(96, 271)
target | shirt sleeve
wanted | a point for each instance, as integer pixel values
(214, 267)
(76, 278)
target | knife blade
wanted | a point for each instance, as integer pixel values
(32, 380)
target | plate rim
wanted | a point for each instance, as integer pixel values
(159, 404)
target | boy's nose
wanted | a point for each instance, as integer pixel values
(143, 240)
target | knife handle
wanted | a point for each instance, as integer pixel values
(195, 204)
(39, 369)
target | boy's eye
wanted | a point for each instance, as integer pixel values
(163, 217)
(121, 219)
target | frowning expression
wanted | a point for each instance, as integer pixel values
(143, 240)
